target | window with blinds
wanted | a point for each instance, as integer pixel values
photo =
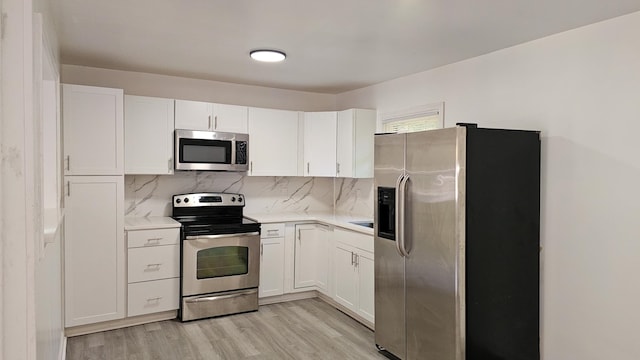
(426, 117)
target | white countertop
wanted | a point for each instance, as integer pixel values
(342, 221)
(150, 222)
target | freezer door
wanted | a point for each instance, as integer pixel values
(434, 240)
(389, 265)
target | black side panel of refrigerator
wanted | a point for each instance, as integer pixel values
(502, 244)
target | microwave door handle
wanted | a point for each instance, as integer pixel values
(233, 152)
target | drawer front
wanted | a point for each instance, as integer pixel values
(356, 239)
(272, 230)
(145, 238)
(154, 263)
(153, 296)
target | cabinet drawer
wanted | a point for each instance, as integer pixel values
(153, 296)
(158, 262)
(154, 237)
(355, 239)
(272, 230)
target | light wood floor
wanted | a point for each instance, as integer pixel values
(303, 329)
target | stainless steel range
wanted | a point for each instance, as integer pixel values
(220, 249)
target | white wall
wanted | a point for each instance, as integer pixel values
(581, 88)
(136, 83)
(18, 183)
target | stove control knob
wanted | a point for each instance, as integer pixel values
(239, 199)
(186, 200)
(178, 201)
(233, 199)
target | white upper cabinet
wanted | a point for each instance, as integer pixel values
(93, 130)
(320, 143)
(230, 118)
(148, 135)
(354, 153)
(197, 115)
(273, 142)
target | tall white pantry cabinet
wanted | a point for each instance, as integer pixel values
(94, 247)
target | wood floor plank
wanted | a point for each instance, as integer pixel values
(303, 329)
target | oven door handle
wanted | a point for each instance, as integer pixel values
(219, 297)
(196, 237)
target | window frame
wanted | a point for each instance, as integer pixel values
(413, 112)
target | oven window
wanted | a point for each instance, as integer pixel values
(205, 151)
(222, 261)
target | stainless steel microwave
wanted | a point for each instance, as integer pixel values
(211, 150)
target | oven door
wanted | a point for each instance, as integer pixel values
(214, 263)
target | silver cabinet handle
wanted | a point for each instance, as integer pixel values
(153, 267)
(154, 299)
(307, 168)
(337, 168)
(251, 166)
(170, 164)
(68, 160)
(272, 231)
(261, 249)
(215, 124)
(153, 241)
(352, 261)
(299, 234)
(357, 260)
(209, 126)
(68, 188)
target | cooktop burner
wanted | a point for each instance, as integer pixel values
(212, 214)
(194, 227)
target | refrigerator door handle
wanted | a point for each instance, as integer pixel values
(399, 228)
(403, 196)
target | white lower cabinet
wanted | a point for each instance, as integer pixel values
(271, 260)
(354, 272)
(153, 271)
(153, 296)
(312, 257)
(94, 249)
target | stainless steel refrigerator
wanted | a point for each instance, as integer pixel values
(457, 218)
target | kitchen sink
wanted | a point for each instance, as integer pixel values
(368, 224)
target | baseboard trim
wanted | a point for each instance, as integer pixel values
(62, 354)
(348, 312)
(120, 323)
(168, 315)
(288, 297)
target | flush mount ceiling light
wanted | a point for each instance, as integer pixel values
(267, 55)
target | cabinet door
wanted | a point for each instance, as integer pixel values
(305, 256)
(345, 276)
(94, 249)
(345, 144)
(271, 267)
(148, 135)
(273, 141)
(93, 130)
(365, 306)
(322, 241)
(356, 129)
(320, 143)
(230, 118)
(193, 115)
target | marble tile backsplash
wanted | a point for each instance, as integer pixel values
(354, 197)
(150, 195)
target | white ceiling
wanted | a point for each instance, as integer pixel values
(332, 45)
